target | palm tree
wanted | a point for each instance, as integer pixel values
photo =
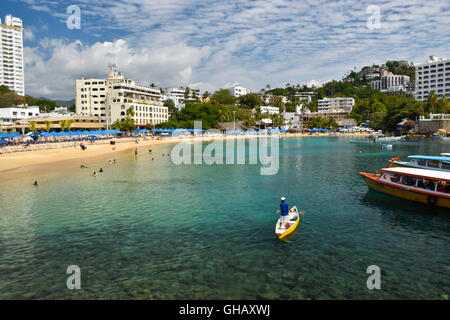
(48, 126)
(62, 124)
(69, 124)
(32, 126)
(130, 112)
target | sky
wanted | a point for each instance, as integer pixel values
(214, 44)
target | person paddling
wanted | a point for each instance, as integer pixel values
(284, 212)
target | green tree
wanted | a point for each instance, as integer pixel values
(223, 96)
(62, 125)
(32, 126)
(251, 100)
(48, 125)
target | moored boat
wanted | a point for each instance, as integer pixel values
(388, 139)
(421, 185)
(440, 163)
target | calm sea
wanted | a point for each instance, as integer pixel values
(149, 229)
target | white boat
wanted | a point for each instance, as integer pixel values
(388, 139)
(387, 146)
(283, 230)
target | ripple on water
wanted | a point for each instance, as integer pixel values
(152, 230)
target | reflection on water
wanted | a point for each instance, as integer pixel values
(147, 229)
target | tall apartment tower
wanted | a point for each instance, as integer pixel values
(433, 75)
(11, 54)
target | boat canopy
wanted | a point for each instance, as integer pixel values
(420, 173)
(435, 158)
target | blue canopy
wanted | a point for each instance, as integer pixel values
(3, 142)
(4, 135)
(436, 158)
(14, 135)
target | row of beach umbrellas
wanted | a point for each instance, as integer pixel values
(4, 135)
(76, 133)
(177, 130)
(319, 130)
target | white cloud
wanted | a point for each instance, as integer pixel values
(314, 84)
(251, 42)
(28, 34)
(55, 76)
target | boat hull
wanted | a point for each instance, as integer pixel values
(292, 228)
(429, 199)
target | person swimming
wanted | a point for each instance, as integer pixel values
(94, 174)
(101, 170)
(36, 184)
(83, 166)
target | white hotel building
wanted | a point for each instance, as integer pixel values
(237, 90)
(335, 105)
(11, 55)
(110, 99)
(8, 116)
(433, 75)
(391, 83)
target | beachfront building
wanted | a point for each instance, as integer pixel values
(237, 90)
(8, 116)
(292, 119)
(269, 110)
(178, 95)
(11, 54)
(390, 82)
(433, 75)
(110, 99)
(53, 120)
(335, 105)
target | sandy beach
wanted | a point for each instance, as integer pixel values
(28, 162)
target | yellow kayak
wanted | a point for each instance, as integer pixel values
(283, 230)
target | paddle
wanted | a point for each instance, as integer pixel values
(301, 212)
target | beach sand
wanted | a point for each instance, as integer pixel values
(29, 162)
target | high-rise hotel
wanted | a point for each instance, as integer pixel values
(11, 54)
(433, 75)
(110, 99)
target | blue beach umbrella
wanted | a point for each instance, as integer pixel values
(3, 142)
(14, 135)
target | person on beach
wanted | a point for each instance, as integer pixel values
(284, 212)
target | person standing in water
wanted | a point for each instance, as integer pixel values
(135, 152)
(284, 212)
(36, 184)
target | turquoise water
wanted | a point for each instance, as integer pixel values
(148, 229)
